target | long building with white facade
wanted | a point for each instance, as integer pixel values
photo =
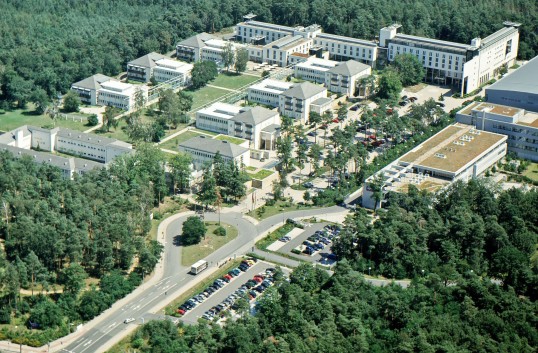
(519, 125)
(467, 66)
(458, 152)
(89, 151)
(160, 67)
(267, 92)
(243, 122)
(203, 150)
(103, 90)
(190, 49)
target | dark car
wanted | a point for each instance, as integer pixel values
(403, 103)
(308, 185)
(309, 250)
(355, 107)
(440, 104)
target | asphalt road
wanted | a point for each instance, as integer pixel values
(176, 276)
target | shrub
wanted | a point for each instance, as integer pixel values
(93, 120)
(295, 251)
(221, 231)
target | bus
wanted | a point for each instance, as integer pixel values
(198, 267)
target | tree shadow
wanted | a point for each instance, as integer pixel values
(32, 113)
(178, 240)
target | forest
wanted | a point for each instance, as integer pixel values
(47, 45)
(56, 233)
(470, 254)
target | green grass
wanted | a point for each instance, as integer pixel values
(204, 131)
(13, 119)
(252, 169)
(279, 207)
(231, 139)
(233, 81)
(173, 143)
(274, 236)
(192, 253)
(532, 171)
(261, 174)
(205, 95)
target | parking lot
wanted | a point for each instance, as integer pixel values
(192, 316)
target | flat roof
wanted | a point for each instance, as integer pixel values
(221, 110)
(457, 156)
(522, 79)
(116, 85)
(519, 116)
(272, 86)
(267, 26)
(318, 64)
(435, 42)
(347, 39)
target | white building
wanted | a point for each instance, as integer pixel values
(345, 48)
(458, 152)
(190, 49)
(161, 67)
(519, 125)
(103, 90)
(242, 122)
(279, 51)
(344, 77)
(314, 69)
(267, 92)
(295, 102)
(203, 150)
(465, 65)
(95, 151)
(213, 48)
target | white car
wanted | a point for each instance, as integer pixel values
(126, 321)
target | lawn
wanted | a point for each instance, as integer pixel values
(279, 207)
(192, 253)
(261, 174)
(233, 81)
(274, 236)
(12, 119)
(532, 171)
(204, 131)
(231, 139)
(173, 143)
(205, 95)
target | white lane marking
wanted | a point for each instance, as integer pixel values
(88, 343)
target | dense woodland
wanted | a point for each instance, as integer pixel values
(56, 233)
(47, 45)
(477, 292)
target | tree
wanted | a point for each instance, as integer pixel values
(203, 72)
(236, 187)
(208, 193)
(46, 314)
(314, 119)
(109, 117)
(193, 230)
(228, 55)
(410, 69)
(41, 100)
(93, 120)
(389, 86)
(180, 171)
(241, 60)
(73, 278)
(169, 105)
(35, 268)
(71, 102)
(314, 154)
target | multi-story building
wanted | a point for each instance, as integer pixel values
(242, 122)
(88, 89)
(213, 48)
(203, 150)
(279, 51)
(160, 67)
(314, 69)
(344, 77)
(519, 125)
(190, 49)
(267, 92)
(103, 90)
(517, 89)
(345, 48)
(295, 102)
(458, 152)
(466, 66)
(95, 151)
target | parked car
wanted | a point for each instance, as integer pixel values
(355, 107)
(312, 133)
(412, 99)
(308, 185)
(309, 250)
(403, 103)
(440, 104)
(126, 321)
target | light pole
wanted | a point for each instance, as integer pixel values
(422, 273)
(369, 268)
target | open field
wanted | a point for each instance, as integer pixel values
(173, 143)
(233, 81)
(10, 120)
(532, 171)
(205, 95)
(192, 253)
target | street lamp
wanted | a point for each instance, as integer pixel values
(422, 273)
(369, 268)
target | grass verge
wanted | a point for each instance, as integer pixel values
(261, 174)
(192, 253)
(279, 207)
(274, 236)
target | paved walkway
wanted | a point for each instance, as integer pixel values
(223, 88)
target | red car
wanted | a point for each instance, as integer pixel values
(180, 311)
(335, 120)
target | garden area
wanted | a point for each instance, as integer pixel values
(233, 81)
(12, 119)
(272, 208)
(173, 143)
(208, 244)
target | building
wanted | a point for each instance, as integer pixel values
(243, 122)
(203, 150)
(40, 144)
(279, 51)
(160, 67)
(345, 48)
(344, 77)
(213, 49)
(295, 101)
(88, 89)
(267, 92)
(467, 66)
(314, 69)
(517, 89)
(458, 152)
(103, 90)
(190, 49)
(520, 126)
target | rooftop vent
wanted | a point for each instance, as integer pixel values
(440, 155)
(224, 141)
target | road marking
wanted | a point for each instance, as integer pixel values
(88, 343)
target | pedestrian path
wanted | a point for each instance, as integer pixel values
(223, 88)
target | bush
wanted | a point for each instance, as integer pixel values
(5, 315)
(93, 120)
(221, 231)
(295, 251)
